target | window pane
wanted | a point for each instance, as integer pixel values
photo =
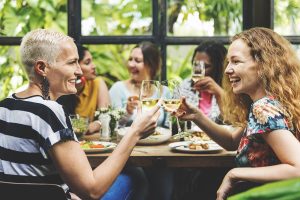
(19, 17)
(179, 61)
(116, 17)
(297, 49)
(204, 18)
(111, 61)
(12, 75)
(287, 17)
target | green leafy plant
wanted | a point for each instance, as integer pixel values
(280, 190)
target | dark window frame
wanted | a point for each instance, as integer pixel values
(255, 13)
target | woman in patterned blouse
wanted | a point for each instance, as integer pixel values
(262, 100)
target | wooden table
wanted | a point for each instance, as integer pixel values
(161, 155)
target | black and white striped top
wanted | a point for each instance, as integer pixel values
(29, 127)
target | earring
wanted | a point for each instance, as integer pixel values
(45, 88)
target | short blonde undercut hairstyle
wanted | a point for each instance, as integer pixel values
(41, 44)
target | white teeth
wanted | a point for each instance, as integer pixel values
(234, 80)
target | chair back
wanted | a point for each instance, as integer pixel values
(32, 191)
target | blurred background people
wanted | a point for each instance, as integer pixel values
(206, 93)
(92, 92)
(144, 63)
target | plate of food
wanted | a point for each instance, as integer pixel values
(97, 146)
(196, 136)
(191, 135)
(160, 135)
(196, 147)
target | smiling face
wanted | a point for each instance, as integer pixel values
(136, 66)
(242, 71)
(87, 66)
(62, 74)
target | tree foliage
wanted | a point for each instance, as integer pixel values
(16, 19)
(117, 17)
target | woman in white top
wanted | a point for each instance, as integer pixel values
(143, 64)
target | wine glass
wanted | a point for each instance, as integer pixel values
(198, 71)
(172, 101)
(150, 94)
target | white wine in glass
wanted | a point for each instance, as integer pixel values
(149, 94)
(171, 104)
(198, 70)
(197, 77)
(148, 103)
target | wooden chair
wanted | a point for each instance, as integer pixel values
(31, 191)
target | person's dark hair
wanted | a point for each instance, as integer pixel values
(151, 56)
(217, 53)
(81, 51)
(70, 102)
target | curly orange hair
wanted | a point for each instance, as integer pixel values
(279, 71)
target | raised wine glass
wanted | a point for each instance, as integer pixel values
(150, 94)
(198, 71)
(172, 101)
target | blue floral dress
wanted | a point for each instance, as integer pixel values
(266, 115)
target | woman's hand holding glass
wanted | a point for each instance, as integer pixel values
(146, 122)
(208, 84)
(185, 111)
(148, 108)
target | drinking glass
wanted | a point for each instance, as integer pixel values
(198, 70)
(150, 94)
(79, 124)
(172, 102)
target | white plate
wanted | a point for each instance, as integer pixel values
(108, 146)
(165, 135)
(183, 147)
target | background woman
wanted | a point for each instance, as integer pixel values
(37, 137)
(262, 99)
(92, 92)
(209, 89)
(143, 64)
(192, 182)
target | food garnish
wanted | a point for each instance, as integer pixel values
(91, 145)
